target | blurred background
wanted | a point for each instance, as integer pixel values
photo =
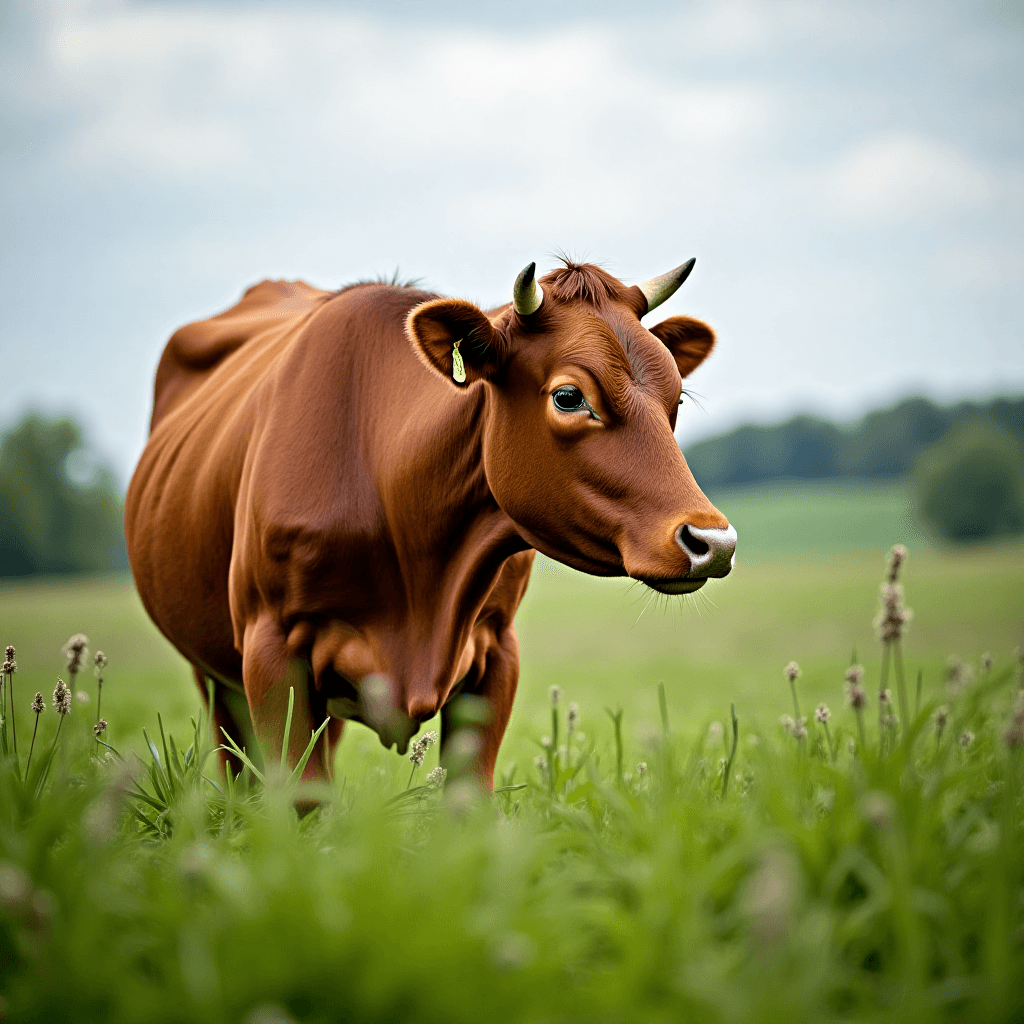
(849, 175)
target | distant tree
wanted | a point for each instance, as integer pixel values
(883, 445)
(60, 510)
(971, 486)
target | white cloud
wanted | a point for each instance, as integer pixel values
(900, 175)
(192, 92)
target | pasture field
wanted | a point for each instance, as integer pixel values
(844, 875)
(607, 642)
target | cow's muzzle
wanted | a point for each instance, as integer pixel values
(711, 552)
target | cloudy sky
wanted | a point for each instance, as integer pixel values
(850, 177)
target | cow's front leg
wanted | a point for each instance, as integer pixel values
(268, 672)
(498, 684)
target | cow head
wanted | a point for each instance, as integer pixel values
(579, 417)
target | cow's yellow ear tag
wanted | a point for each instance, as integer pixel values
(458, 366)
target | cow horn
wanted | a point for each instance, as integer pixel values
(527, 295)
(658, 289)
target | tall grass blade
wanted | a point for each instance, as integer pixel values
(296, 774)
(287, 729)
(233, 748)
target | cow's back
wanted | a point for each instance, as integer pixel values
(179, 507)
(198, 348)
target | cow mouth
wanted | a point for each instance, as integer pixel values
(677, 586)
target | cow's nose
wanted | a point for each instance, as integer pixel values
(711, 552)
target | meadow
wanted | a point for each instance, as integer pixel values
(829, 876)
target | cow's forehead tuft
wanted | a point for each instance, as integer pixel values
(585, 282)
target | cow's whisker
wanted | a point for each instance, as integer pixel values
(653, 595)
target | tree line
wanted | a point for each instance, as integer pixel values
(60, 508)
(884, 445)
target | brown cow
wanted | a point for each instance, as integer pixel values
(343, 491)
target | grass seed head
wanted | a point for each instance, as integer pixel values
(792, 671)
(572, 716)
(10, 652)
(38, 704)
(796, 727)
(884, 697)
(99, 728)
(891, 621)
(61, 698)
(420, 747)
(896, 558)
(959, 675)
(10, 666)
(822, 714)
(555, 693)
(966, 738)
(1013, 734)
(437, 776)
(641, 768)
(854, 674)
(940, 716)
(856, 696)
(76, 650)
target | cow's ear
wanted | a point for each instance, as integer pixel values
(690, 341)
(436, 327)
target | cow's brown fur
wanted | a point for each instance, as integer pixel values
(319, 503)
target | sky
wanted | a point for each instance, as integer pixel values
(849, 176)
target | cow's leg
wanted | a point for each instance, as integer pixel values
(333, 736)
(230, 715)
(498, 684)
(268, 673)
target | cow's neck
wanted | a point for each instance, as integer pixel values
(450, 547)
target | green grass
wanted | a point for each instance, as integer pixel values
(815, 517)
(827, 883)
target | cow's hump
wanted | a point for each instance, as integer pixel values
(196, 349)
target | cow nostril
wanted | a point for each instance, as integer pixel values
(692, 544)
(710, 550)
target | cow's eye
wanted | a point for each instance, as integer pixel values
(568, 399)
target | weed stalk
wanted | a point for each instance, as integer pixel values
(732, 751)
(616, 717)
